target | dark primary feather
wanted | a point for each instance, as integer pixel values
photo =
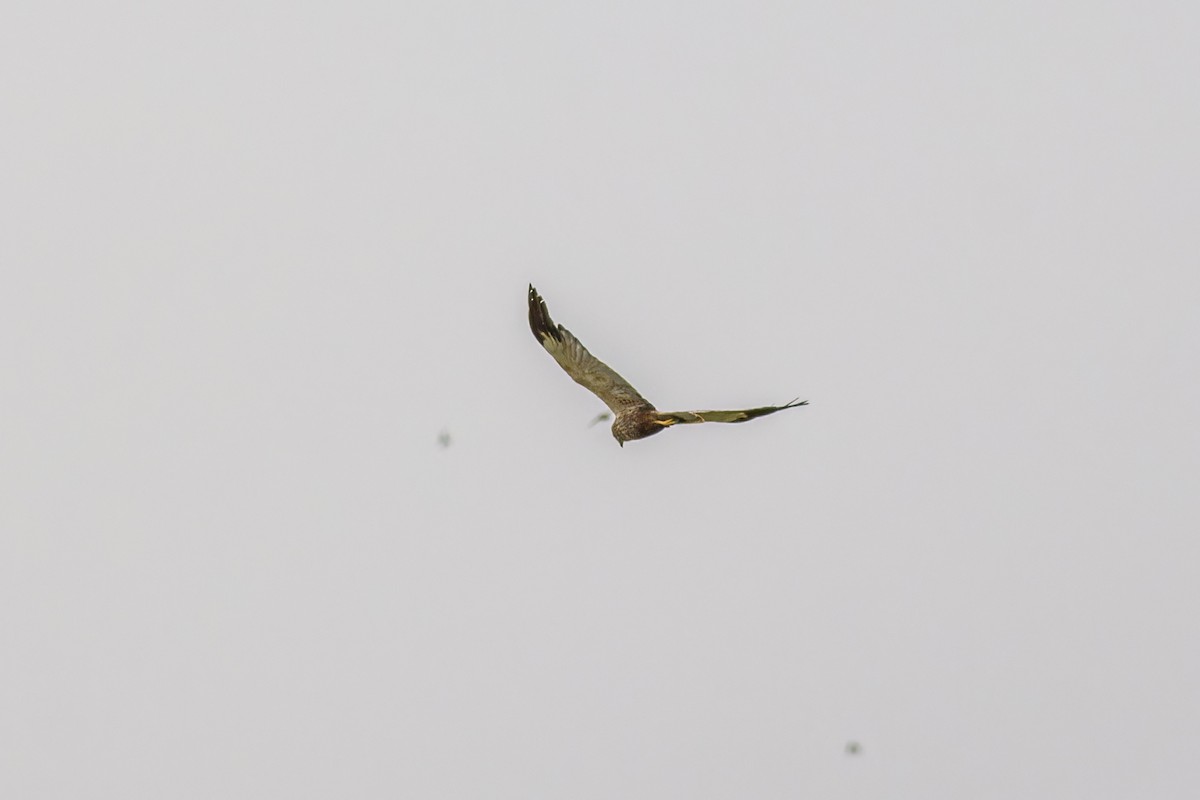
(539, 318)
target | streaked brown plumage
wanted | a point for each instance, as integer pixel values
(635, 417)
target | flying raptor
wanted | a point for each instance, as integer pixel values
(635, 417)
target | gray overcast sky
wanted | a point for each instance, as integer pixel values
(257, 255)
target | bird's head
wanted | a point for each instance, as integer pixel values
(628, 427)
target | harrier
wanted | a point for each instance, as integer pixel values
(635, 417)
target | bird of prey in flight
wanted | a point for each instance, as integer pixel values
(635, 417)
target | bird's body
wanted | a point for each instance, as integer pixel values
(634, 416)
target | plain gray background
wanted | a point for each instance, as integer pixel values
(257, 256)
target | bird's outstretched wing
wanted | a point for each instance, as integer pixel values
(587, 370)
(688, 417)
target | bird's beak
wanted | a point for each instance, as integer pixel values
(620, 443)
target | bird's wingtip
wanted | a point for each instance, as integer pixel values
(539, 318)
